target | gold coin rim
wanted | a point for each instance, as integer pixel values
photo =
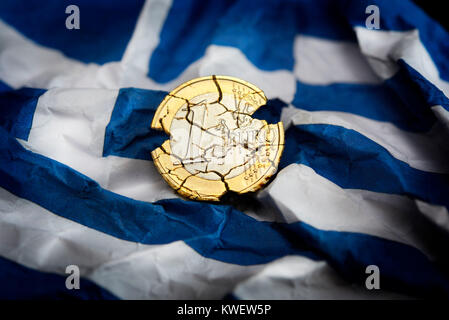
(156, 124)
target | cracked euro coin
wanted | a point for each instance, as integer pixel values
(214, 144)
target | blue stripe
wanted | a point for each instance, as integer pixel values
(271, 112)
(17, 109)
(215, 231)
(351, 160)
(129, 132)
(431, 94)
(398, 100)
(4, 87)
(19, 283)
(263, 30)
(105, 26)
(402, 15)
(402, 268)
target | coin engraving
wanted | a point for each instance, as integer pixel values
(215, 146)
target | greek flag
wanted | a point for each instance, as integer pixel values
(357, 210)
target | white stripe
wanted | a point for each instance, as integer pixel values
(299, 194)
(442, 115)
(38, 239)
(25, 63)
(437, 214)
(228, 61)
(423, 151)
(321, 61)
(69, 126)
(384, 48)
(296, 277)
(231, 61)
(146, 34)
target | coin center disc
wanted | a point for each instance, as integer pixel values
(215, 139)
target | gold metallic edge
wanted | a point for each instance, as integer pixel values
(183, 191)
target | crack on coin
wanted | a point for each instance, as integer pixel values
(220, 93)
(249, 157)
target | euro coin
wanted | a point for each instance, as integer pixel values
(214, 144)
